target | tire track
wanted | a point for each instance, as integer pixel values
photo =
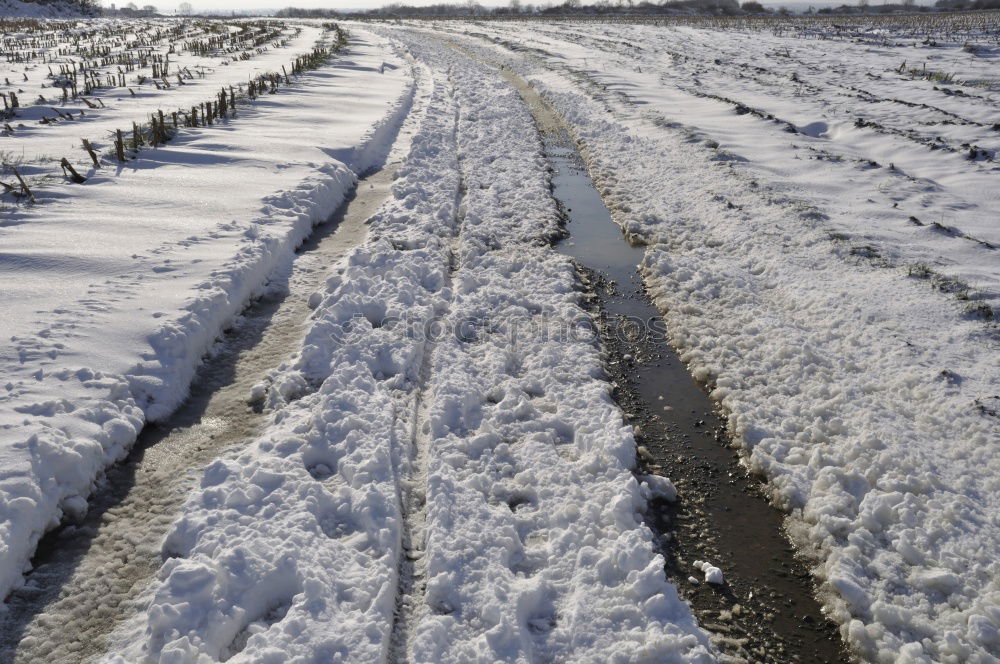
(410, 605)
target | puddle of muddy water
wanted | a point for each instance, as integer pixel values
(88, 577)
(766, 611)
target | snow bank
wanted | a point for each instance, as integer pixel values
(118, 342)
(855, 390)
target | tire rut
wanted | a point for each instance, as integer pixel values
(410, 605)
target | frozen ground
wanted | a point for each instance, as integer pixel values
(444, 475)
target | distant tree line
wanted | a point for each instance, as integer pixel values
(519, 8)
(516, 8)
(131, 10)
(967, 4)
(296, 12)
(908, 6)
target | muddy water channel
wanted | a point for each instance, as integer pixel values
(89, 576)
(766, 610)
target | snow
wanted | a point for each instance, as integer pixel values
(116, 288)
(656, 486)
(437, 410)
(858, 390)
(444, 476)
(712, 573)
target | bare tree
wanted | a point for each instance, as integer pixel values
(184, 9)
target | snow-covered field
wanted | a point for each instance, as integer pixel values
(445, 476)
